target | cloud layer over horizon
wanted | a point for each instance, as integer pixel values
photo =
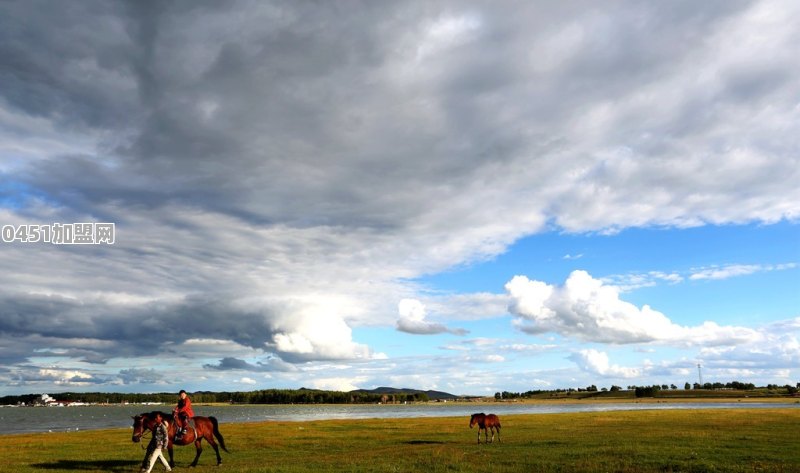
(281, 173)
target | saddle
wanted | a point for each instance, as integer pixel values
(189, 424)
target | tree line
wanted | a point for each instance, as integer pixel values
(317, 396)
(648, 391)
(264, 396)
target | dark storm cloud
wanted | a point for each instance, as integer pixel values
(231, 364)
(302, 115)
(68, 61)
(24, 375)
(145, 71)
(422, 327)
(138, 375)
(279, 104)
(136, 331)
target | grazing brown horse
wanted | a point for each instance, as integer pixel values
(486, 423)
(204, 428)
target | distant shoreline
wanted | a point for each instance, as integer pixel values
(473, 401)
(81, 418)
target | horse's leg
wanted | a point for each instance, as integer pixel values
(199, 449)
(479, 435)
(492, 441)
(171, 460)
(210, 438)
(498, 434)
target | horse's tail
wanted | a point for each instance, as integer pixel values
(217, 434)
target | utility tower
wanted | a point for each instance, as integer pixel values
(700, 374)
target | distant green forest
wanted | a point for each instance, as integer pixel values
(265, 396)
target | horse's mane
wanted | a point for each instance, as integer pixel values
(152, 415)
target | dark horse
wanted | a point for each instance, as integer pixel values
(204, 428)
(486, 423)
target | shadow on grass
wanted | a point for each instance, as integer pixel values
(424, 442)
(77, 465)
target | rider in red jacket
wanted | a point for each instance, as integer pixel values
(183, 412)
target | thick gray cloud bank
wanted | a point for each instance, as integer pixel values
(277, 170)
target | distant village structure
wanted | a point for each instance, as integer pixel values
(49, 401)
(70, 400)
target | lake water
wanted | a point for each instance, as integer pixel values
(65, 419)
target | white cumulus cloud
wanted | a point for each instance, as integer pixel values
(588, 309)
(315, 332)
(597, 362)
(412, 320)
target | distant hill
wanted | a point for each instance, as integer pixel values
(432, 395)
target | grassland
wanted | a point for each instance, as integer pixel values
(716, 440)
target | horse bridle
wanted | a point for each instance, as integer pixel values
(142, 436)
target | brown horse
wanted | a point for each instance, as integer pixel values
(204, 428)
(486, 423)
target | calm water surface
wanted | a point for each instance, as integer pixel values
(65, 419)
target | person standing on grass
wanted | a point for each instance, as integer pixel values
(159, 442)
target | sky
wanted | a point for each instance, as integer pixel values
(460, 196)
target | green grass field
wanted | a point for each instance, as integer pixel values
(718, 440)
